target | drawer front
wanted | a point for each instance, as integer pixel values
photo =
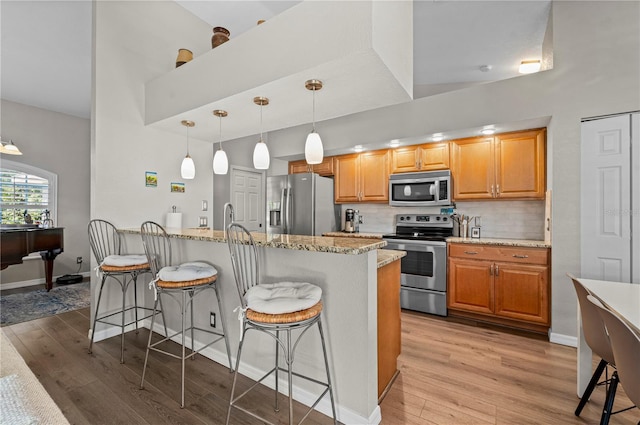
(510, 254)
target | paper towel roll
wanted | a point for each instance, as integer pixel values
(174, 220)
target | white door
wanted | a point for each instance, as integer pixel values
(247, 197)
(606, 210)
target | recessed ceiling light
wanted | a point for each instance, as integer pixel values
(529, 66)
(394, 143)
(487, 131)
(486, 68)
(358, 148)
(437, 137)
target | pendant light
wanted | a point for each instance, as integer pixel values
(188, 168)
(261, 151)
(9, 148)
(313, 150)
(220, 160)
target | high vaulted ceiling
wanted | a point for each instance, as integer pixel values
(46, 45)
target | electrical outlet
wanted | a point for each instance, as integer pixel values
(78, 260)
(212, 319)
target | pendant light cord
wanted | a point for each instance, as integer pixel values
(220, 118)
(187, 140)
(261, 105)
(314, 110)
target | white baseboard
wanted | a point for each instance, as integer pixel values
(34, 282)
(570, 341)
(344, 415)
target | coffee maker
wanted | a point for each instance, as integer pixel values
(351, 221)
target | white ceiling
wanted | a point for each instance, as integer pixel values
(46, 45)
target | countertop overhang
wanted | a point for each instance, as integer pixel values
(335, 245)
(524, 243)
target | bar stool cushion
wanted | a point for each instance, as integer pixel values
(282, 297)
(187, 272)
(125, 260)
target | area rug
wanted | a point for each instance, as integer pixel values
(23, 307)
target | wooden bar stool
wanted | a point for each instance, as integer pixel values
(121, 268)
(182, 284)
(276, 309)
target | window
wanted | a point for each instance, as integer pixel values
(27, 193)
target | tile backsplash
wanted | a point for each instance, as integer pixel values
(500, 219)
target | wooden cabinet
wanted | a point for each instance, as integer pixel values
(362, 177)
(427, 157)
(504, 285)
(389, 326)
(325, 168)
(507, 166)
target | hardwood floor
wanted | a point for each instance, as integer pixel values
(451, 373)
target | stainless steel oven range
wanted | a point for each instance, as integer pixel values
(423, 277)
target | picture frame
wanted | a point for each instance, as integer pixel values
(151, 179)
(177, 187)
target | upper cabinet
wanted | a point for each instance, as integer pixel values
(325, 168)
(506, 166)
(362, 177)
(427, 157)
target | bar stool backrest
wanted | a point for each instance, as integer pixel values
(104, 239)
(157, 246)
(626, 350)
(244, 259)
(595, 332)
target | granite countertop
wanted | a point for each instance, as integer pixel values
(336, 245)
(526, 243)
(353, 235)
(388, 256)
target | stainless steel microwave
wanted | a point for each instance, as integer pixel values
(420, 189)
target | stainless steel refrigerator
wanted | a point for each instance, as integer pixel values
(301, 204)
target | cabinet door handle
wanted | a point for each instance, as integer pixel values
(496, 274)
(497, 190)
(520, 256)
(470, 252)
(493, 193)
(491, 270)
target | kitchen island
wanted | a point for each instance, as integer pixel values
(347, 271)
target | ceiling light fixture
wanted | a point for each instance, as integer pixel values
(188, 168)
(437, 137)
(261, 151)
(488, 131)
(220, 160)
(529, 66)
(394, 143)
(313, 150)
(358, 148)
(486, 68)
(9, 148)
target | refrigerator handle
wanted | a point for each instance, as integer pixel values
(283, 210)
(289, 214)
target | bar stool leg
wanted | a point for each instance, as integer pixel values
(277, 409)
(134, 276)
(290, 375)
(191, 293)
(95, 315)
(326, 365)
(146, 356)
(164, 322)
(184, 307)
(123, 284)
(224, 326)
(235, 374)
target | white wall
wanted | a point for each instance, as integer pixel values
(58, 143)
(596, 67)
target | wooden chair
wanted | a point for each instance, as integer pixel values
(272, 320)
(123, 269)
(626, 351)
(182, 284)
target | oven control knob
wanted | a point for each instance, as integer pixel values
(408, 218)
(401, 218)
(438, 218)
(444, 218)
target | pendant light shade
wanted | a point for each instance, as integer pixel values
(220, 160)
(9, 148)
(188, 168)
(313, 149)
(261, 151)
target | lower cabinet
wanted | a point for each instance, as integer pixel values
(389, 332)
(503, 285)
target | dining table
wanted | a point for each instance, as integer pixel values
(621, 297)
